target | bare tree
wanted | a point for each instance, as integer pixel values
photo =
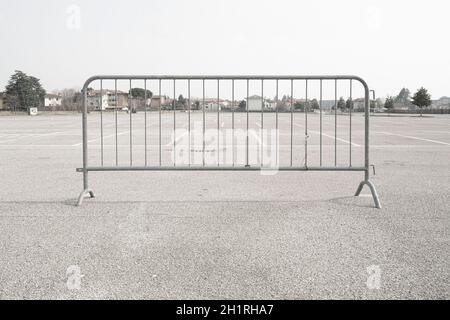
(71, 99)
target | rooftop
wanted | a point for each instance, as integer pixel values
(52, 96)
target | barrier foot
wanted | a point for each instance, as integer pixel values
(372, 190)
(84, 194)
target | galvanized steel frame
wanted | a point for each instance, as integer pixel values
(87, 192)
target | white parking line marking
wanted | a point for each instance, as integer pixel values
(6, 146)
(329, 136)
(31, 135)
(105, 137)
(414, 138)
(332, 137)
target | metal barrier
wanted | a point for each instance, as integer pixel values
(243, 110)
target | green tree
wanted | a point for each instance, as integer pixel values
(140, 93)
(403, 96)
(307, 106)
(12, 102)
(315, 104)
(181, 101)
(24, 91)
(341, 104)
(242, 105)
(422, 99)
(389, 103)
(349, 104)
(299, 106)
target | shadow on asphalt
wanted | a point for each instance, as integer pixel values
(351, 201)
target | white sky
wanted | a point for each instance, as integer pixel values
(392, 44)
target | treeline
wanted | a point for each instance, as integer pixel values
(24, 92)
(421, 99)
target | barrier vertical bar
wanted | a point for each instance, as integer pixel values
(366, 151)
(204, 123)
(130, 110)
(335, 122)
(320, 107)
(247, 143)
(145, 120)
(306, 123)
(174, 124)
(115, 116)
(232, 118)
(218, 122)
(101, 120)
(160, 124)
(86, 191)
(350, 111)
(292, 120)
(262, 123)
(366, 133)
(85, 142)
(189, 119)
(276, 123)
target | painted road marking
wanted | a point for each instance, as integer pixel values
(105, 137)
(32, 135)
(414, 138)
(330, 136)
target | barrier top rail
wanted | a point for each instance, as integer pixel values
(224, 77)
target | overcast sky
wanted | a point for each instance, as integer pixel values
(392, 44)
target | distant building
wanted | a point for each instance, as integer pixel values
(330, 104)
(442, 103)
(255, 103)
(52, 100)
(106, 99)
(359, 104)
(122, 100)
(96, 100)
(216, 104)
(213, 106)
(158, 101)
